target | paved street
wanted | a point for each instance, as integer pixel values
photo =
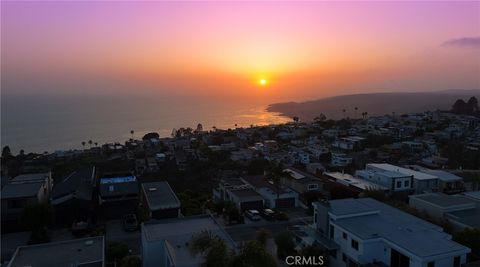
(115, 232)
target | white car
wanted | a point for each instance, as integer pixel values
(253, 215)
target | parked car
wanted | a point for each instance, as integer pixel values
(130, 222)
(253, 215)
(268, 214)
(81, 226)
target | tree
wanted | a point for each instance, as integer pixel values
(275, 173)
(285, 245)
(131, 261)
(344, 112)
(199, 128)
(83, 144)
(470, 238)
(212, 247)
(262, 236)
(37, 218)
(364, 114)
(116, 250)
(90, 142)
(253, 254)
(320, 118)
(296, 119)
(152, 135)
(96, 144)
(132, 132)
(356, 109)
(472, 104)
(6, 153)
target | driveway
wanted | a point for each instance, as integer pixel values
(115, 232)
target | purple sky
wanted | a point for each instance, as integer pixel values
(303, 49)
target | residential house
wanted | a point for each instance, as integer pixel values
(159, 200)
(118, 195)
(301, 182)
(72, 198)
(22, 191)
(274, 196)
(166, 243)
(370, 233)
(341, 160)
(460, 210)
(420, 182)
(240, 193)
(88, 251)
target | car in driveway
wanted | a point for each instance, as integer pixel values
(130, 222)
(268, 214)
(253, 215)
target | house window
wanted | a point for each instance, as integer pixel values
(355, 244)
(344, 235)
(399, 184)
(406, 184)
(312, 186)
(332, 231)
(456, 261)
(431, 264)
(344, 257)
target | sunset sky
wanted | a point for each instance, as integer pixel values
(303, 50)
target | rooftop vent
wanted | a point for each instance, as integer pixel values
(152, 189)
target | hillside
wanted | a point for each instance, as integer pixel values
(373, 103)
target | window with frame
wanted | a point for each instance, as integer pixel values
(431, 264)
(399, 184)
(354, 244)
(456, 261)
(344, 257)
(345, 236)
(406, 184)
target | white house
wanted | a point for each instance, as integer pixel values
(421, 182)
(341, 160)
(367, 231)
(165, 243)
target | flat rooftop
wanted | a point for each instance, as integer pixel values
(21, 190)
(177, 234)
(247, 194)
(31, 176)
(389, 167)
(60, 254)
(294, 174)
(412, 234)
(445, 201)
(160, 195)
(443, 175)
(347, 179)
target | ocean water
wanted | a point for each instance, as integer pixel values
(50, 123)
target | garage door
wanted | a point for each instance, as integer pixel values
(285, 203)
(252, 205)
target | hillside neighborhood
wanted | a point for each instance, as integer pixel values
(393, 190)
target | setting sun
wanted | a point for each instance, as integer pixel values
(262, 82)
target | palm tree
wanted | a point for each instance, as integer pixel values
(83, 144)
(274, 174)
(90, 142)
(132, 132)
(356, 108)
(96, 144)
(344, 112)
